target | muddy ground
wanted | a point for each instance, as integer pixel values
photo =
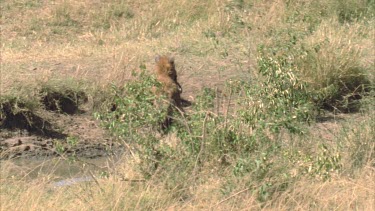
(61, 128)
(90, 140)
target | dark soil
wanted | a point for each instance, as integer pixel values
(63, 130)
(29, 121)
(64, 102)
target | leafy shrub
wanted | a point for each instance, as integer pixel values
(282, 100)
(135, 117)
(327, 60)
(247, 140)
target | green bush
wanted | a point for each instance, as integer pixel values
(135, 117)
(327, 60)
(281, 101)
(248, 140)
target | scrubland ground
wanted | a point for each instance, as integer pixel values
(281, 114)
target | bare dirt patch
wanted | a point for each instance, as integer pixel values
(61, 127)
(27, 120)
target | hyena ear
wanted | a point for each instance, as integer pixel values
(157, 58)
(171, 60)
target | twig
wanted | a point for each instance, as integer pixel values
(183, 118)
(133, 180)
(217, 101)
(202, 143)
(129, 148)
(226, 199)
(227, 111)
(96, 181)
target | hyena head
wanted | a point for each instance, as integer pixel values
(165, 67)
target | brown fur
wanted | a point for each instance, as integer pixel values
(167, 76)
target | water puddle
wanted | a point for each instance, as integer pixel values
(61, 171)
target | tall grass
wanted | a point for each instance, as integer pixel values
(258, 74)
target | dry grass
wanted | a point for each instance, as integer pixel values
(352, 188)
(343, 193)
(340, 50)
(102, 42)
(33, 49)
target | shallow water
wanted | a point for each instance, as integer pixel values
(72, 181)
(60, 171)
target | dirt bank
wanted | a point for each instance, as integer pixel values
(60, 127)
